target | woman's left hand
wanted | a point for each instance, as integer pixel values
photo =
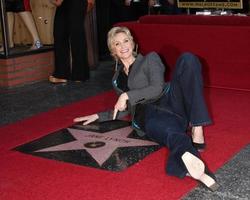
(121, 104)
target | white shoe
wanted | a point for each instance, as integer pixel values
(36, 45)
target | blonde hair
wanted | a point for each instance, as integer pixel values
(112, 33)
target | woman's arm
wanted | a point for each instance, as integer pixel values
(101, 117)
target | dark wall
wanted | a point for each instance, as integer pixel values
(109, 12)
(103, 26)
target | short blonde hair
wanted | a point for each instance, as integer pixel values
(113, 32)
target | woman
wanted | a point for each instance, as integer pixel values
(162, 111)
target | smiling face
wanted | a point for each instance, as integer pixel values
(120, 43)
(122, 46)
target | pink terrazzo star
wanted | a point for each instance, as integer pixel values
(99, 145)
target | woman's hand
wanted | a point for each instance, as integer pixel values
(121, 104)
(87, 119)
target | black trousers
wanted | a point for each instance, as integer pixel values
(71, 60)
(182, 105)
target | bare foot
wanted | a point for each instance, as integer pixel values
(197, 134)
(53, 79)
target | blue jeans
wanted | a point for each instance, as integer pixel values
(183, 105)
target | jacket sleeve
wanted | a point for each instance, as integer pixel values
(154, 71)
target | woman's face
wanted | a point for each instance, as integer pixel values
(122, 46)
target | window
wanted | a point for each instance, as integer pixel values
(26, 27)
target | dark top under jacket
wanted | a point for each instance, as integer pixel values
(139, 116)
(145, 84)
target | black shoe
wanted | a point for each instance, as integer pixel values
(213, 187)
(197, 170)
(199, 146)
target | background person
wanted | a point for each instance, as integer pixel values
(127, 10)
(167, 7)
(70, 46)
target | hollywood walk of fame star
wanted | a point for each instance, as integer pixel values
(99, 146)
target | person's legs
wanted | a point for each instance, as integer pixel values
(10, 20)
(23, 10)
(29, 22)
(186, 94)
(11, 7)
(167, 129)
(61, 45)
(80, 66)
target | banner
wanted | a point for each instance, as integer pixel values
(224, 4)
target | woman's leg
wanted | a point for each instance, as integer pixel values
(29, 22)
(61, 44)
(10, 18)
(80, 66)
(186, 94)
(168, 129)
(198, 136)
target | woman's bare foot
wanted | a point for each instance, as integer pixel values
(197, 134)
(53, 79)
(198, 138)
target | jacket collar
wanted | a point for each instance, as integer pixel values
(138, 58)
(135, 65)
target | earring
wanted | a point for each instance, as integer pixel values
(136, 49)
(116, 64)
(135, 52)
